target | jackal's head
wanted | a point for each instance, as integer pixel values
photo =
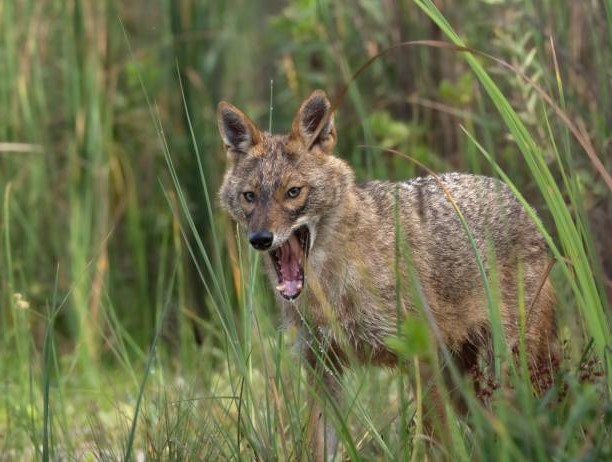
(284, 188)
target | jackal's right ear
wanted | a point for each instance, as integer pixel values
(238, 132)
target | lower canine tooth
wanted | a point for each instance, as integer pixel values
(280, 287)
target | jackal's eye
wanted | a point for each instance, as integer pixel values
(249, 196)
(294, 192)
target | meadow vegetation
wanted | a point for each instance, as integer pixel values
(134, 319)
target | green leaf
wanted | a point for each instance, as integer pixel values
(414, 338)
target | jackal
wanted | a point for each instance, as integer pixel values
(330, 247)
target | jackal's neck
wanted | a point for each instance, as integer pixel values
(366, 218)
(348, 216)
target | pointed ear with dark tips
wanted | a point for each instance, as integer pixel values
(238, 132)
(314, 123)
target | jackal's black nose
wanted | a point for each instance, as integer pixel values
(261, 240)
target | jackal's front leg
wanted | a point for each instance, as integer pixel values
(324, 375)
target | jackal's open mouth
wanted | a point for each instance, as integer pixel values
(289, 261)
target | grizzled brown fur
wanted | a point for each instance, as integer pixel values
(350, 305)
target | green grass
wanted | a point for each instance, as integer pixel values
(115, 257)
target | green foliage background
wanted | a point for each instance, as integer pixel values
(131, 319)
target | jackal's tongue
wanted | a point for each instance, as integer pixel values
(290, 259)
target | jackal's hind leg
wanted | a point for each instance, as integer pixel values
(542, 345)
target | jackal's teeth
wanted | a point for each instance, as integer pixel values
(283, 286)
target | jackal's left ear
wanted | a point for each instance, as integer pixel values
(314, 123)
